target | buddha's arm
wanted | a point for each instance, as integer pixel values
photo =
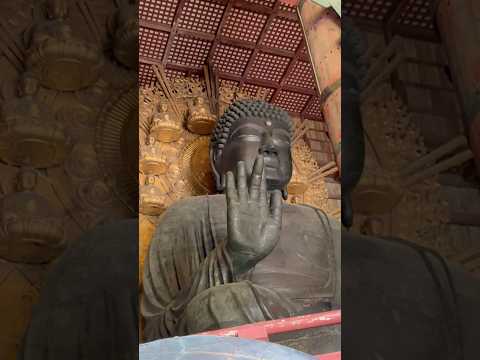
(183, 260)
(161, 319)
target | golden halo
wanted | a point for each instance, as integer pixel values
(117, 146)
(196, 166)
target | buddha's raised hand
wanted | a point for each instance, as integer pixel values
(254, 217)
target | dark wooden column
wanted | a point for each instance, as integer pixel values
(322, 28)
(459, 26)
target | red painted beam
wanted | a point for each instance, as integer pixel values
(330, 356)
(261, 330)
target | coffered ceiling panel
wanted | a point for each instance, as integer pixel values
(411, 18)
(257, 45)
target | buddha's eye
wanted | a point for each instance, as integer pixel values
(248, 137)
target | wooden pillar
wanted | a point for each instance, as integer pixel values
(459, 26)
(322, 29)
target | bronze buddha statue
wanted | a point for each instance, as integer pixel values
(244, 255)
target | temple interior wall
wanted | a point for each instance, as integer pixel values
(426, 86)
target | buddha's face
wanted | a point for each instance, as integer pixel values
(251, 137)
(57, 9)
(163, 108)
(199, 101)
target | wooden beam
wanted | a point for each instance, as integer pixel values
(218, 35)
(173, 31)
(261, 9)
(226, 76)
(154, 25)
(294, 60)
(464, 218)
(417, 33)
(307, 105)
(263, 33)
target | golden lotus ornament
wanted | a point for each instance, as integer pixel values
(33, 230)
(29, 137)
(197, 167)
(152, 160)
(200, 120)
(154, 196)
(165, 126)
(65, 64)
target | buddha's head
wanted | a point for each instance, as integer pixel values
(57, 9)
(28, 85)
(247, 129)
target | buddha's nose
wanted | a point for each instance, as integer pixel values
(267, 148)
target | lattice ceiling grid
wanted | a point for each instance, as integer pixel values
(404, 17)
(257, 45)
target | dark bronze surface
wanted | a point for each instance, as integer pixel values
(245, 256)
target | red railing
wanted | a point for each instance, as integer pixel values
(262, 330)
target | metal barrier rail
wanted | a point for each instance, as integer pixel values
(261, 330)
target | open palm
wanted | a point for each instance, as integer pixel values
(254, 217)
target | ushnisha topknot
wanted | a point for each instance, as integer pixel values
(248, 108)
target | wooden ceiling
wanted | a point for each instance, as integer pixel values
(257, 45)
(409, 18)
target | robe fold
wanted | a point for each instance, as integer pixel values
(88, 307)
(189, 285)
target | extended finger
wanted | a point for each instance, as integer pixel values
(256, 180)
(242, 182)
(231, 189)
(276, 205)
(263, 190)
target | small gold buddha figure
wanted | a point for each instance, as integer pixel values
(165, 125)
(55, 27)
(200, 121)
(124, 28)
(154, 196)
(152, 160)
(32, 229)
(29, 135)
(53, 52)
(31, 237)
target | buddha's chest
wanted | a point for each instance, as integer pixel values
(302, 265)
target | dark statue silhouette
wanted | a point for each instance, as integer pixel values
(221, 260)
(244, 255)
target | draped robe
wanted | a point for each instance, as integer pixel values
(189, 285)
